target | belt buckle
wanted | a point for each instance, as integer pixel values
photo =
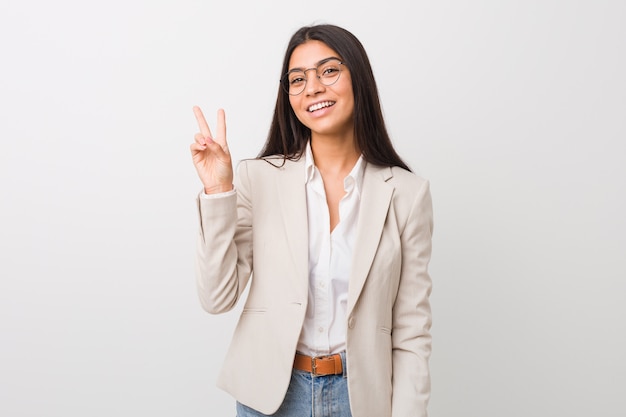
(314, 365)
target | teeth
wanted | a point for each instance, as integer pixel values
(321, 105)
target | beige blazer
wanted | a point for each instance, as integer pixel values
(263, 230)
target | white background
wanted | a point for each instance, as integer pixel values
(514, 110)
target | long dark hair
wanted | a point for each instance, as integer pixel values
(288, 137)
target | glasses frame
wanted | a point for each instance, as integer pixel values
(284, 81)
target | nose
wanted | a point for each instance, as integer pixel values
(313, 84)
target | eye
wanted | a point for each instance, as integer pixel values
(330, 70)
(296, 78)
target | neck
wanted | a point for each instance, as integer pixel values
(334, 154)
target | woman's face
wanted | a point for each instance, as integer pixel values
(325, 109)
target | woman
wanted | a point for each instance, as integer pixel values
(333, 233)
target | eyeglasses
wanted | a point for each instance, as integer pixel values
(327, 73)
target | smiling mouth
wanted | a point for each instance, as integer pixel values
(318, 106)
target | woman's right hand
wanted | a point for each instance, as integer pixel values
(211, 156)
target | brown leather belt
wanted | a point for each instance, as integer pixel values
(319, 366)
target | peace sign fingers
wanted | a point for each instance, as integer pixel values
(210, 154)
(206, 131)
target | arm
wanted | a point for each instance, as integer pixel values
(411, 340)
(224, 250)
(223, 255)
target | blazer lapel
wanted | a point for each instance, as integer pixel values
(375, 200)
(291, 192)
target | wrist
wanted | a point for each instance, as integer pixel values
(220, 188)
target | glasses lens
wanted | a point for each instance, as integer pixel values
(295, 82)
(329, 72)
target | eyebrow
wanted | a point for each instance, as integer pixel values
(317, 64)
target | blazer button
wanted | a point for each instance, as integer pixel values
(351, 322)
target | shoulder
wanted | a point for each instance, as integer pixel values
(270, 165)
(402, 177)
(263, 175)
(407, 187)
(411, 191)
(411, 196)
(406, 184)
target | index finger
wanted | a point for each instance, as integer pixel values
(204, 126)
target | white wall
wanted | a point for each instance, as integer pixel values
(515, 110)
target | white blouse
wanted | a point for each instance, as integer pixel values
(330, 259)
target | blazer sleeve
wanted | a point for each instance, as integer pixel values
(224, 248)
(411, 340)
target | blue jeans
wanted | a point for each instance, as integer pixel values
(311, 396)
